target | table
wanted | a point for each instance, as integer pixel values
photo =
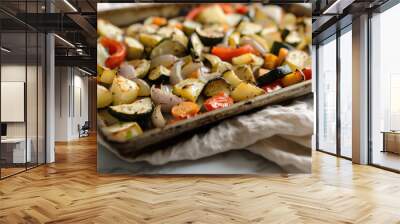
(391, 141)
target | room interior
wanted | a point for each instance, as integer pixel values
(356, 158)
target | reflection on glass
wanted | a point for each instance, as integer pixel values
(327, 97)
(346, 94)
(385, 84)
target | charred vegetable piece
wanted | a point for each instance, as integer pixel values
(244, 73)
(210, 36)
(231, 78)
(104, 97)
(117, 52)
(278, 45)
(245, 91)
(185, 110)
(160, 74)
(168, 46)
(273, 75)
(135, 48)
(218, 101)
(124, 90)
(189, 89)
(292, 78)
(136, 111)
(216, 86)
(196, 46)
(122, 132)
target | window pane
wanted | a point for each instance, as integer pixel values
(327, 97)
(346, 93)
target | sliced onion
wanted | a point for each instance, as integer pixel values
(127, 70)
(144, 88)
(157, 118)
(210, 76)
(189, 69)
(165, 100)
(165, 60)
(176, 73)
(258, 47)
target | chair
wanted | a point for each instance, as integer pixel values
(84, 130)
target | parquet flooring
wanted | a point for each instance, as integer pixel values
(70, 191)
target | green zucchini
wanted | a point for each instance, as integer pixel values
(122, 132)
(134, 47)
(196, 46)
(216, 86)
(136, 111)
(160, 74)
(168, 46)
(273, 75)
(210, 36)
(231, 78)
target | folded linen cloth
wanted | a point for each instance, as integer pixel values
(281, 134)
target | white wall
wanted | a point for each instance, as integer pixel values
(71, 94)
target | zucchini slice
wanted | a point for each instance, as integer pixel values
(124, 90)
(245, 91)
(122, 132)
(210, 36)
(189, 89)
(190, 27)
(231, 78)
(196, 46)
(168, 46)
(149, 40)
(273, 75)
(216, 86)
(134, 47)
(160, 74)
(136, 111)
(104, 97)
(142, 67)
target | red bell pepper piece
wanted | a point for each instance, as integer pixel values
(194, 12)
(227, 53)
(116, 50)
(241, 9)
(307, 73)
(221, 100)
(272, 86)
(227, 8)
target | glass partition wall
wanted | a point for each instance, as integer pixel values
(22, 77)
(334, 93)
(385, 90)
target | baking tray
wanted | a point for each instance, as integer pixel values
(158, 138)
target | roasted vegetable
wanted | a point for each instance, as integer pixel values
(136, 111)
(210, 36)
(122, 132)
(245, 91)
(157, 117)
(212, 15)
(196, 46)
(135, 48)
(117, 52)
(227, 53)
(160, 74)
(298, 59)
(106, 29)
(248, 28)
(244, 73)
(283, 53)
(144, 88)
(102, 55)
(216, 86)
(273, 75)
(149, 40)
(218, 101)
(270, 61)
(164, 98)
(231, 78)
(246, 59)
(124, 90)
(185, 110)
(272, 86)
(276, 46)
(307, 73)
(189, 89)
(107, 76)
(142, 67)
(104, 97)
(292, 78)
(190, 27)
(168, 46)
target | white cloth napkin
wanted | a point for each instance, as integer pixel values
(281, 134)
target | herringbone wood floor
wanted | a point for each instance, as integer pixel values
(70, 191)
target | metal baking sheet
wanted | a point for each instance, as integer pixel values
(157, 138)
